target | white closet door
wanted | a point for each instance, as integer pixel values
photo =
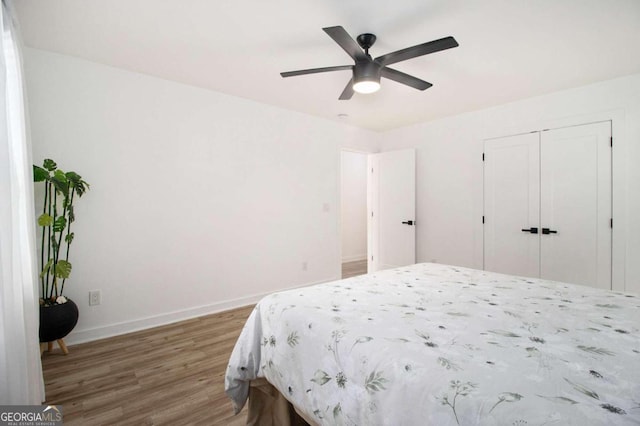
(575, 173)
(512, 205)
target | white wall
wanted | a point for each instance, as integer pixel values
(199, 201)
(353, 196)
(202, 201)
(449, 169)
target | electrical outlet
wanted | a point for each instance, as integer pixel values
(95, 297)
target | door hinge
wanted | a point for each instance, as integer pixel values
(372, 258)
(611, 141)
(372, 170)
(611, 223)
(371, 214)
(483, 156)
(482, 219)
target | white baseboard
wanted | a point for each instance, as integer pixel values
(354, 258)
(97, 333)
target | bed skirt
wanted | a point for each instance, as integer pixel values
(268, 407)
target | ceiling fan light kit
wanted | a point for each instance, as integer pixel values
(366, 77)
(367, 71)
(366, 87)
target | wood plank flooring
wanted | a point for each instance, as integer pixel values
(162, 376)
(352, 269)
(167, 375)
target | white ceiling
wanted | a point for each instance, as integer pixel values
(509, 49)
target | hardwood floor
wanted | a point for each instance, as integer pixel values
(352, 269)
(167, 375)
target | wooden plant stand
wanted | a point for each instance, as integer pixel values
(48, 346)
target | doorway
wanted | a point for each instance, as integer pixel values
(353, 194)
(377, 211)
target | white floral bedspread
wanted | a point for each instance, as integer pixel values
(431, 344)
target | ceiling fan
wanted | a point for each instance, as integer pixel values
(367, 70)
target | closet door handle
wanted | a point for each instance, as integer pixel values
(532, 230)
(409, 222)
(548, 231)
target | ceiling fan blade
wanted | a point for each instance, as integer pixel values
(316, 70)
(419, 50)
(347, 93)
(340, 36)
(403, 78)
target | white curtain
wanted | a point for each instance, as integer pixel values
(20, 369)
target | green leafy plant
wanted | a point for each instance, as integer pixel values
(60, 190)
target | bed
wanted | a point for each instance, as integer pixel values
(431, 344)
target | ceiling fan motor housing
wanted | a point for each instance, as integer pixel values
(367, 71)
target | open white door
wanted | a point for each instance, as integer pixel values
(391, 209)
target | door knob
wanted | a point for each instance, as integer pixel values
(548, 231)
(532, 230)
(409, 222)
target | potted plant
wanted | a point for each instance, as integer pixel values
(58, 314)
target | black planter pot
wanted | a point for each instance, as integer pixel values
(56, 321)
